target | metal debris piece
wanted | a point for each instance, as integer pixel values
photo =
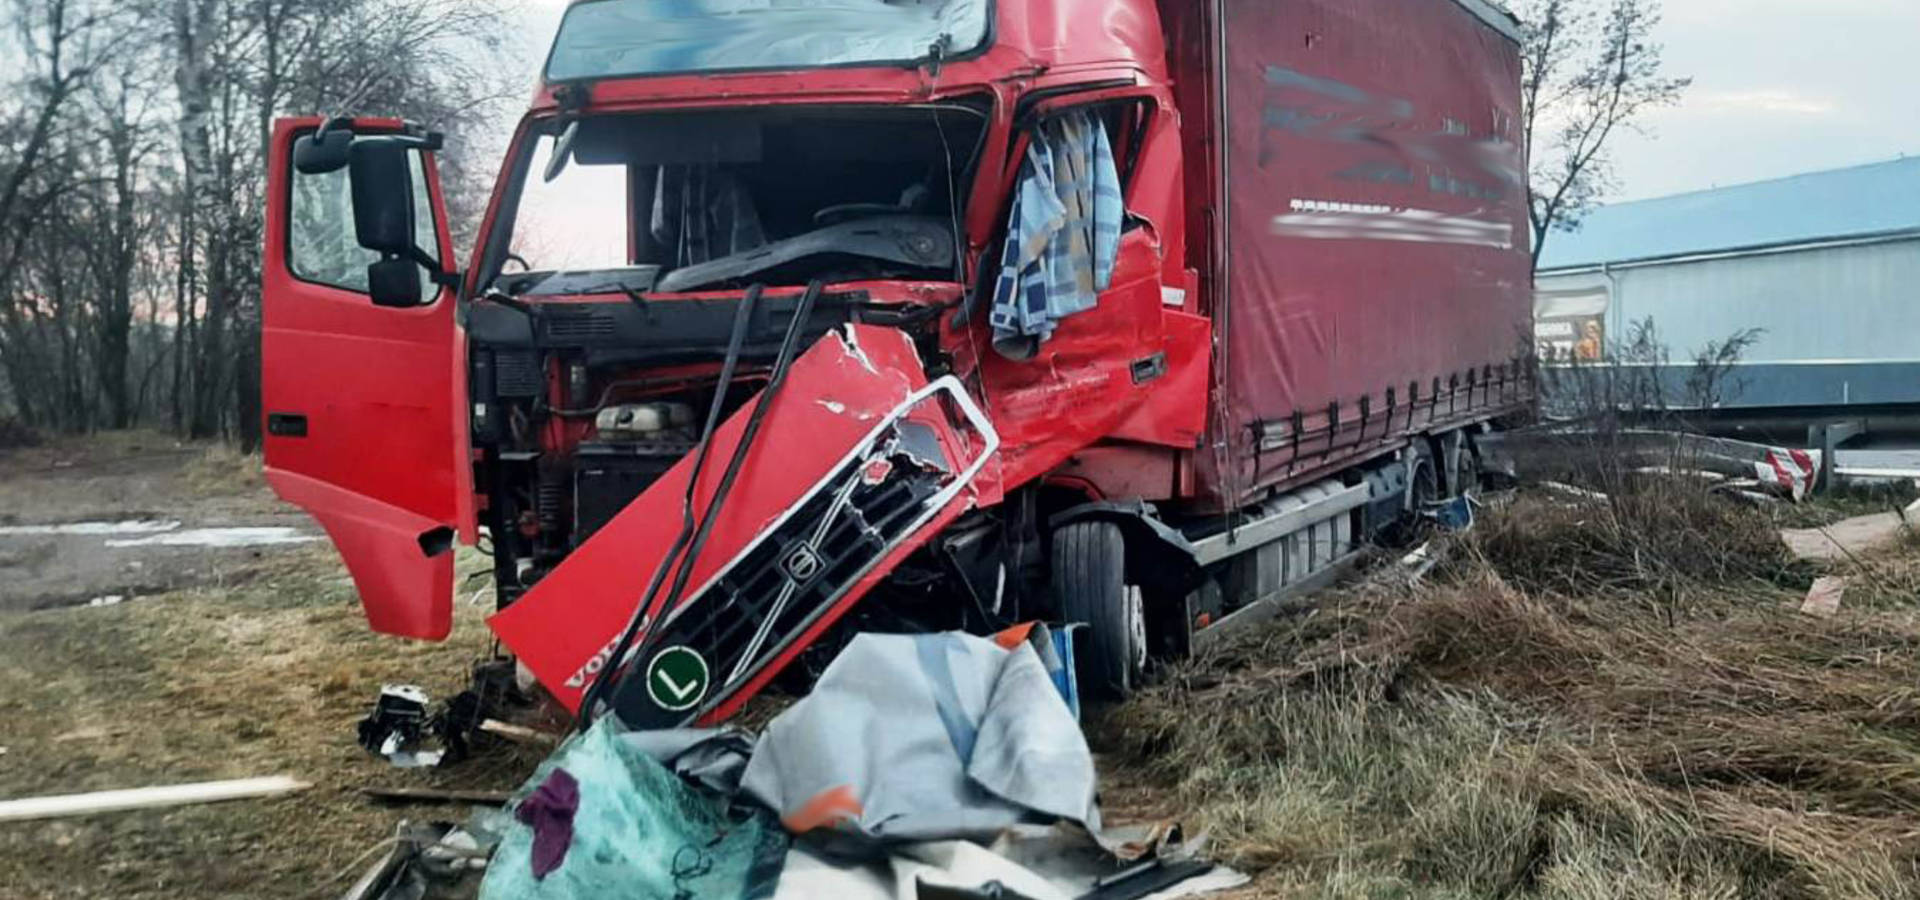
(143, 798)
(1823, 600)
(396, 726)
(430, 795)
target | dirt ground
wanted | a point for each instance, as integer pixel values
(223, 663)
(132, 514)
(1561, 711)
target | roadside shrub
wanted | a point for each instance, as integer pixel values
(1528, 723)
(1649, 535)
(15, 434)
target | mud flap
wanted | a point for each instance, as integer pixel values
(858, 462)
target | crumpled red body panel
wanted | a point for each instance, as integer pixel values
(837, 392)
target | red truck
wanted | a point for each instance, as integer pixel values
(904, 315)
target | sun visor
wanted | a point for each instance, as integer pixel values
(680, 140)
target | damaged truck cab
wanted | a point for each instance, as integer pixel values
(901, 316)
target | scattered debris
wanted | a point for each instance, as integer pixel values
(1671, 472)
(1420, 562)
(404, 721)
(1754, 498)
(1036, 862)
(518, 733)
(434, 859)
(549, 811)
(918, 767)
(1824, 599)
(981, 730)
(397, 726)
(1790, 472)
(1846, 538)
(1452, 515)
(696, 844)
(1551, 452)
(1572, 491)
(143, 798)
(434, 795)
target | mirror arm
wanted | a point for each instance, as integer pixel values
(426, 261)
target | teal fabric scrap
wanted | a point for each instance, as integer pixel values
(641, 833)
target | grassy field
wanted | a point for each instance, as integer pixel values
(1592, 700)
(1587, 700)
(264, 677)
(262, 668)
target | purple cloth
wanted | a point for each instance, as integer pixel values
(549, 810)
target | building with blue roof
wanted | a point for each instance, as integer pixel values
(1826, 265)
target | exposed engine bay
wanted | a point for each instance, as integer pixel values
(598, 391)
(580, 407)
(586, 380)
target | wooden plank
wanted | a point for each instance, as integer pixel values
(147, 797)
(431, 795)
(518, 733)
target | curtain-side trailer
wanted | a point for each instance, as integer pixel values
(784, 321)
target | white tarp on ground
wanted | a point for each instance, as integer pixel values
(932, 760)
(925, 737)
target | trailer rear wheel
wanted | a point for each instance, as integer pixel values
(1089, 584)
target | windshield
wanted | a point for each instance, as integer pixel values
(606, 38)
(681, 201)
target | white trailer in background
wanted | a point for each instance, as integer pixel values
(1826, 264)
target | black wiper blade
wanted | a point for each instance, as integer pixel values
(919, 241)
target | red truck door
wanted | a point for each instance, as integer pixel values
(362, 427)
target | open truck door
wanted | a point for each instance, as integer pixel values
(362, 357)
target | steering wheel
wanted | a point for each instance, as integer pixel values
(515, 257)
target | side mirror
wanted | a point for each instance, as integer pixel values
(323, 151)
(381, 176)
(394, 281)
(382, 196)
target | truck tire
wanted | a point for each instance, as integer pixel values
(1089, 586)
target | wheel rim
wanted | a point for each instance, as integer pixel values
(1467, 474)
(1136, 632)
(1426, 486)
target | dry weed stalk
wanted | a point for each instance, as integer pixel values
(1597, 699)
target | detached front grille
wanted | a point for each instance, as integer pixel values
(792, 574)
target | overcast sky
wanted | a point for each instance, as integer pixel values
(1780, 87)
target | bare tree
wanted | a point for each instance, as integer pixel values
(132, 181)
(1589, 71)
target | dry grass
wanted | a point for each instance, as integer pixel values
(1847, 502)
(1592, 700)
(266, 677)
(219, 470)
(128, 473)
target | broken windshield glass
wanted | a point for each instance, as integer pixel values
(781, 194)
(608, 38)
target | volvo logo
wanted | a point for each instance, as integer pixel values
(801, 563)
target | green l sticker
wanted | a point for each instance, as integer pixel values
(677, 678)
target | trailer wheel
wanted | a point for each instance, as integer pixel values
(1466, 473)
(1089, 584)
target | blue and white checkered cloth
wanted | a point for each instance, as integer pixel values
(1062, 235)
